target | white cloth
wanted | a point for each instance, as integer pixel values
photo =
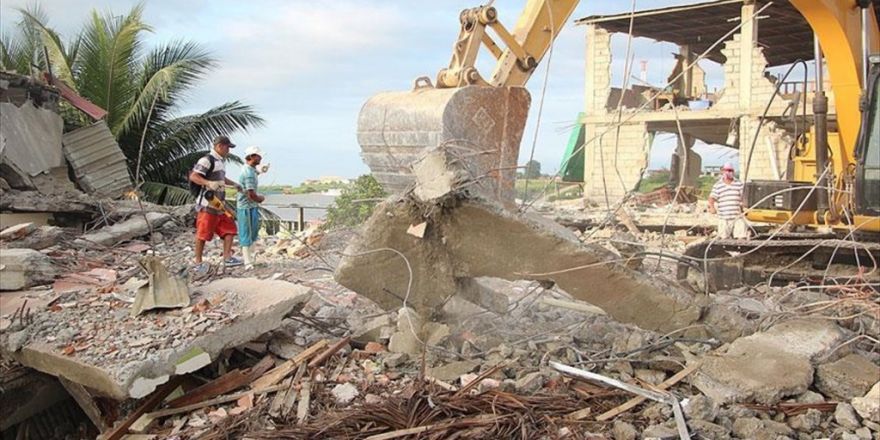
(732, 228)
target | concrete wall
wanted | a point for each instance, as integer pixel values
(598, 72)
(614, 162)
(745, 95)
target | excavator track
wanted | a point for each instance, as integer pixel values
(785, 258)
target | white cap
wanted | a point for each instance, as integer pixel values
(253, 150)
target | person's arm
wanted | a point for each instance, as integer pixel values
(233, 183)
(712, 199)
(198, 176)
(253, 196)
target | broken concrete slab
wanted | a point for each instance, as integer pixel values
(18, 231)
(869, 406)
(128, 357)
(479, 291)
(127, 230)
(465, 238)
(413, 333)
(161, 291)
(453, 370)
(30, 138)
(848, 377)
(42, 238)
(768, 366)
(23, 268)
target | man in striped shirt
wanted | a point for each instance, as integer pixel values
(726, 201)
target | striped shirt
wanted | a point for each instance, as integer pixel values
(728, 198)
(219, 174)
(247, 180)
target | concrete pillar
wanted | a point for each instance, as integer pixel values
(747, 41)
(687, 79)
(691, 167)
(598, 71)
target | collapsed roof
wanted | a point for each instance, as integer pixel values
(781, 30)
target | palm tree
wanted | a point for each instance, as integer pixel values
(140, 88)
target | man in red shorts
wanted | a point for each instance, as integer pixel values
(210, 174)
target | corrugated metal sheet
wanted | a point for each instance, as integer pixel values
(97, 160)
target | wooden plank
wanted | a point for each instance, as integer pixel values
(321, 358)
(635, 401)
(290, 398)
(149, 403)
(302, 411)
(280, 397)
(280, 372)
(580, 414)
(85, 400)
(231, 381)
(217, 401)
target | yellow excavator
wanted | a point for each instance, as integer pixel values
(832, 200)
(835, 186)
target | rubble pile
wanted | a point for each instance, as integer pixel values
(472, 346)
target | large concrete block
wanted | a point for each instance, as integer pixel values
(23, 268)
(469, 238)
(771, 365)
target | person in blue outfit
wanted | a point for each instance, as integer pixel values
(248, 204)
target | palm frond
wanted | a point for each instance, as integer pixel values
(14, 55)
(178, 139)
(109, 55)
(162, 194)
(167, 72)
(60, 64)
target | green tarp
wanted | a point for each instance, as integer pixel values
(573, 161)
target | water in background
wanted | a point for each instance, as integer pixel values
(275, 203)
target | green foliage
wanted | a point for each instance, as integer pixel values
(570, 192)
(533, 169)
(305, 188)
(535, 187)
(660, 178)
(355, 204)
(141, 88)
(162, 194)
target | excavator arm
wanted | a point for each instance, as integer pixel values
(520, 50)
(465, 116)
(838, 26)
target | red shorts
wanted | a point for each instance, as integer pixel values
(208, 224)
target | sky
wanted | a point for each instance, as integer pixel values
(308, 66)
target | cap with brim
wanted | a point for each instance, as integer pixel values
(224, 140)
(250, 151)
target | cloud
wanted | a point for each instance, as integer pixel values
(299, 40)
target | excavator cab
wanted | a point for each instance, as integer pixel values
(867, 184)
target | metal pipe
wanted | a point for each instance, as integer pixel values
(820, 115)
(864, 60)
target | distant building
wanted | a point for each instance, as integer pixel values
(712, 170)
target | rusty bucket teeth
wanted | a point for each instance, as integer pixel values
(484, 123)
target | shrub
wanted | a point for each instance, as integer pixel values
(355, 204)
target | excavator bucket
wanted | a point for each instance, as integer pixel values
(484, 124)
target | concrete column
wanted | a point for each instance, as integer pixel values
(747, 41)
(692, 167)
(687, 80)
(598, 71)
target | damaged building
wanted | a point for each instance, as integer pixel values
(614, 160)
(49, 173)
